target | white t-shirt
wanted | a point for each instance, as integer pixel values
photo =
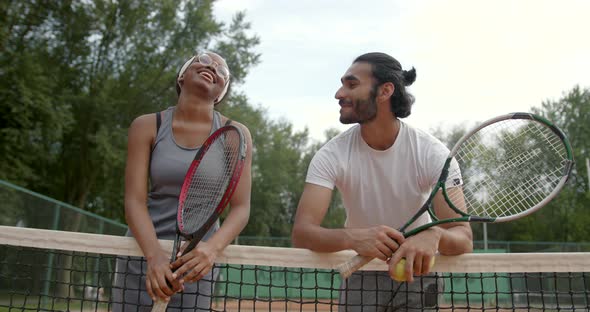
(380, 187)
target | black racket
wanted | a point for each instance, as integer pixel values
(504, 169)
(208, 187)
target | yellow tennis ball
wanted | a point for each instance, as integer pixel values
(399, 273)
(431, 263)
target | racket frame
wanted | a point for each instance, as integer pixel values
(440, 184)
(195, 237)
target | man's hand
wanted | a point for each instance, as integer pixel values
(378, 242)
(418, 251)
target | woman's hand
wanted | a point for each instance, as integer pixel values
(195, 264)
(158, 273)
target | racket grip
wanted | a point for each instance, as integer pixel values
(159, 305)
(352, 265)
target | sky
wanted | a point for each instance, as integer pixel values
(474, 59)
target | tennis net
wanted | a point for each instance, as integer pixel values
(43, 270)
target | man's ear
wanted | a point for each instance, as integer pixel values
(386, 90)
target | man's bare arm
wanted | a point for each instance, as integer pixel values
(307, 230)
(378, 241)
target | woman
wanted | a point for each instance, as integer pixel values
(163, 147)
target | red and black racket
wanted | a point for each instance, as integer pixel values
(208, 187)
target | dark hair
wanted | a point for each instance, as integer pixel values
(387, 69)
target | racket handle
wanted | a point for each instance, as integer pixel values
(159, 305)
(352, 265)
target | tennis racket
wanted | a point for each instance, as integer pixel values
(208, 187)
(502, 170)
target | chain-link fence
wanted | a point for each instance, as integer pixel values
(24, 208)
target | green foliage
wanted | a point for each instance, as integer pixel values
(277, 178)
(449, 136)
(336, 215)
(565, 218)
(74, 75)
(236, 48)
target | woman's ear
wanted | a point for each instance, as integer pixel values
(180, 80)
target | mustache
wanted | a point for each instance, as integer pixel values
(345, 102)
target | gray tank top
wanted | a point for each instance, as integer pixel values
(169, 164)
(168, 167)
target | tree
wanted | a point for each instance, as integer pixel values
(276, 178)
(449, 136)
(566, 217)
(74, 75)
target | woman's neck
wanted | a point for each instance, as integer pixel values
(194, 109)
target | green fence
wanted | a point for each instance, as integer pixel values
(25, 208)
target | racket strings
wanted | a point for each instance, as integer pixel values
(508, 167)
(210, 181)
(518, 199)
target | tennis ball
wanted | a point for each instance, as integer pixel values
(400, 270)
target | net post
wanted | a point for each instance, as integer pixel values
(485, 235)
(49, 271)
(588, 170)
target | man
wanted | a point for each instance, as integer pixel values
(384, 170)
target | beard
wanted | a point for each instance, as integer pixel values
(364, 110)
